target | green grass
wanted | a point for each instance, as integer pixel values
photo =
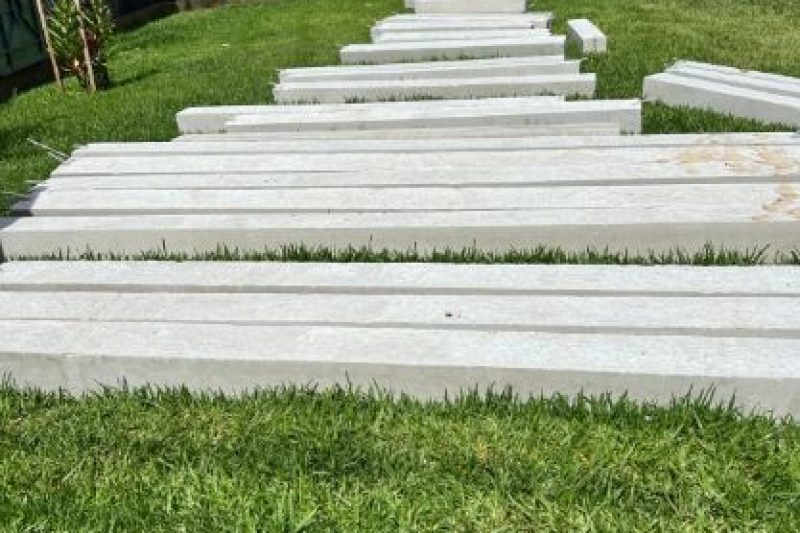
(230, 56)
(296, 460)
(708, 255)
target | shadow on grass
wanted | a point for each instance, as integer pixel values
(130, 80)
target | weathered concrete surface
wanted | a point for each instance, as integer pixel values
(468, 88)
(588, 155)
(469, 6)
(421, 363)
(452, 25)
(756, 148)
(769, 317)
(538, 19)
(636, 229)
(476, 132)
(544, 138)
(420, 329)
(509, 66)
(626, 113)
(460, 35)
(749, 199)
(212, 119)
(587, 36)
(678, 90)
(679, 65)
(758, 81)
(399, 278)
(452, 50)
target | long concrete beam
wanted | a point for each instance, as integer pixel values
(593, 159)
(484, 87)
(470, 6)
(758, 200)
(679, 90)
(451, 50)
(649, 332)
(458, 35)
(527, 66)
(213, 118)
(626, 113)
(421, 363)
(541, 19)
(634, 229)
(768, 317)
(722, 69)
(500, 139)
(758, 81)
(452, 25)
(398, 134)
(707, 173)
(399, 278)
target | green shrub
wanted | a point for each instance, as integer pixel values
(65, 34)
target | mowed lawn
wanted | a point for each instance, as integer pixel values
(340, 461)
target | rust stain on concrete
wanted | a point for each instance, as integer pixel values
(786, 203)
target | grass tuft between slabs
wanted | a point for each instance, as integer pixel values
(348, 460)
(708, 255)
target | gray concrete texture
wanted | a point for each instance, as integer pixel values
(476, 68)
(470, 6)
(533, 111)
(460, 35)
(759, 96)
(212, 119)
(587, 36)
(425, 330)
(344, 91)
(400, 52)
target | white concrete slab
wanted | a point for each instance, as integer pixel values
(676, 90)
(754, 199)
(635, 229)
(779, 85)
(626, 113)
(535, 17)
(451, 50)
(477, 132)
(213, 118)
(766, 317)
(418, 362)
(551, 176)
(470, 6)
(587, 36)
(467, 88)
(399, 278)
(232, 143)
(453, 25)
(782, 159)
(544, 138)
(459, 35)
(422, 329)
(475, 68)
(679, 65)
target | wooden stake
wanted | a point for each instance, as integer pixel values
(87, 57)
(49, 44)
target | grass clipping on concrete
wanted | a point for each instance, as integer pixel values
(303, 460)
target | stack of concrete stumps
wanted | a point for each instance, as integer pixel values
(483, 148)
